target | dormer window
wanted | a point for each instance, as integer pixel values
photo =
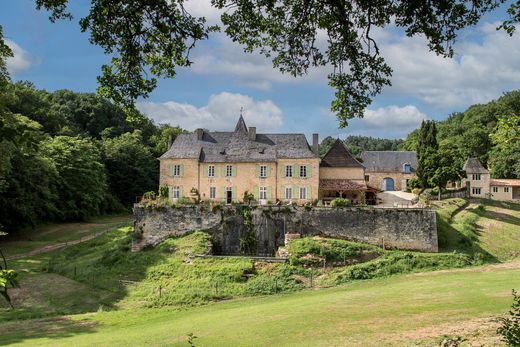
(407, 168)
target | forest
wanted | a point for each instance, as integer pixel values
(66, 156)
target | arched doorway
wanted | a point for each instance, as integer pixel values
(388, 183)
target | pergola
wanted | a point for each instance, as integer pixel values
(343, 188)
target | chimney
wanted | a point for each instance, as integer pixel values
(252, 133)
(315, 144)
(170, 141)
(199, 132)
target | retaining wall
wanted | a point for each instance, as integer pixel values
(412, 229)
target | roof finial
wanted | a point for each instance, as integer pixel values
(241, 110)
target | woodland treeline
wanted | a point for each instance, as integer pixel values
(67, 156)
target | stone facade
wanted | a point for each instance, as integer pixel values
(413, 229)
(377, 179)
(480, 184)
(243, 177)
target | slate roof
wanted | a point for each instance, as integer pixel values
(505, 182)
(229, 147)
(388, 161)
(342, 184)
(473, 165)
(339, 156)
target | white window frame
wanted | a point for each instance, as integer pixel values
(288, 193)
(304, 191)
(263, 171)
(477, 177)
(476, 191)
(288, 171)
(176, 192)
(212, 192)
(176, 170)
(495, 189)
(303, 171)
(229, 170)
(211, 170)
(262, 193)
(506, 189)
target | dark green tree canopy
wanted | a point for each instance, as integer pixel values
(150, 39)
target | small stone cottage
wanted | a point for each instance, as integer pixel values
(481, 185)
(389, 170)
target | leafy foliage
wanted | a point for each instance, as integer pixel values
(487, 131)
(510, 328)
(66, 155)
(340, 202)
(248, 240)
(151, 39)
(131, 168)
(356, 144)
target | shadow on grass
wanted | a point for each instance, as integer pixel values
(80, 279)
(464, 241)
(58, 327)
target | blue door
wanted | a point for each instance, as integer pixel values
(389, 183)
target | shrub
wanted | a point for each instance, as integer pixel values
(248, 197)
(184, 201)
(510, 328)
(414, 183)
(164, 191)
(416, 191)
(340, 202)
(149, 195)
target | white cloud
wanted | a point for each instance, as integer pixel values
(393, 117)
(484, 67)
(20, 61)
(225, 57)
(221, 113)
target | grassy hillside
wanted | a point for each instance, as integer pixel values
(103, 274)
(411, 310)
(485, 229)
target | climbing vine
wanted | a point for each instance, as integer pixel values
(248, 240)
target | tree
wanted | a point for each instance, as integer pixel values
(150, 39)
(427, 152)
(325, 145)
(8, 277)
(445, 167)
(505, 155)
(80, 185)
(25, 174)
(131, 168)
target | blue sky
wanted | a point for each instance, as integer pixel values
(223, 78)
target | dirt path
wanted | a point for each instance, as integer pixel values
(55, 246)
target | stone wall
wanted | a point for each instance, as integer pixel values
(375, 179)
(413, 229)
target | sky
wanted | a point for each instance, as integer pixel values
(224, 79)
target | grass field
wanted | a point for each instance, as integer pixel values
(408, 310)
(53, 234)
(157, 305)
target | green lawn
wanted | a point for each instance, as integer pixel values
(388, 308)
(52, 234)
(405, 310)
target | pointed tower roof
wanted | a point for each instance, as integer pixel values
(473, 165)
(241, 125)
(339, 156)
